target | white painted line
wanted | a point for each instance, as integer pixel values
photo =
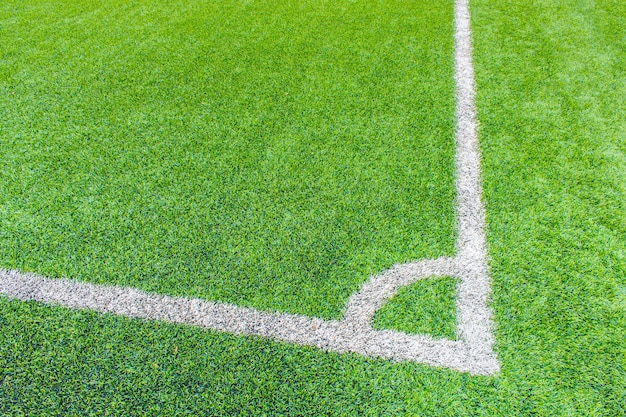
(473, 313)
(373, 294)
(337, 336)
(472, 353)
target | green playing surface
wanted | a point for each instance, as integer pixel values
(276, 154)
(268, 154)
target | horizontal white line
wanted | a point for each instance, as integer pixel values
(329, 335)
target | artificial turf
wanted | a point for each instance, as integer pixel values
(267, 154)
(550, 82)
(426, 307)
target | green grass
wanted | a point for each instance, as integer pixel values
(428, 306)
(269, 154)
(551, 82)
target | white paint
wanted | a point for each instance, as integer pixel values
(472, 353)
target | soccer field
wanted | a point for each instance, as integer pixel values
(289, 166)
(273, 155)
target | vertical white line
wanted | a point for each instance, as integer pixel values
(470, 211)
(473, 313)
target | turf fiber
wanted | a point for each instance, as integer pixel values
(550, 81)
(268, 154)
(428, 306)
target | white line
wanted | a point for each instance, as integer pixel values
(472, 353)
(337, 336)
(473, 313)
(373, 294)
